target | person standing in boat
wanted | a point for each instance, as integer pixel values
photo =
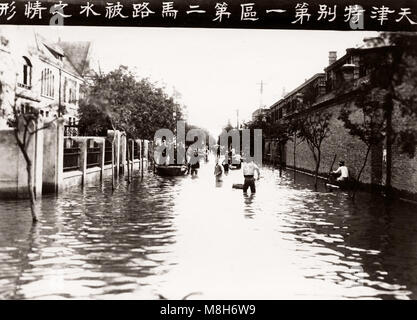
(342, 171)
(249, 169)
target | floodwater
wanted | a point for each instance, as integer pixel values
(177, 237)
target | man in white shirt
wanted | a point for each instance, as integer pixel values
(249, 169)
(342, 171)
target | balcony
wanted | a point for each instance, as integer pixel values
(24, 86)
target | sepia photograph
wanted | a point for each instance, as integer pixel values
(212, 161)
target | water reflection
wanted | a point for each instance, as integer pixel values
(249, 212)
(172, 237)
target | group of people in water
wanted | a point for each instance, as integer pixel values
(232, 160)
(251, 170)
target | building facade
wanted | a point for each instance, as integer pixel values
(329, 92)
(37, 74)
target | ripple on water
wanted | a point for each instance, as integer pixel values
(171, 237)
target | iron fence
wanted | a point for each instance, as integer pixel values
(136, 151)
(71, 155)
(71, 130)
(107, 153)
(93, 155)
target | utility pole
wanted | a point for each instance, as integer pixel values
(237, 119)
(261, 84)
(59, 94)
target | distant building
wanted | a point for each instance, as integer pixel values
(38, 74)
(257, 113)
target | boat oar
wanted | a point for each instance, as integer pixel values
(331, 168)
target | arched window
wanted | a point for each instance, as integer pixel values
(26, 78)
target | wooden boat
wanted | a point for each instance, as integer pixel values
(171, 170)
(339, 185)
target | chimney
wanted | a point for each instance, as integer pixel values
(332, 57)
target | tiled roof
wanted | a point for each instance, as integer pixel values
(44, 47)
(77, 54)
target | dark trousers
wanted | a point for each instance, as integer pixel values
(249, 182)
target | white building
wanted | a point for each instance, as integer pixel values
(38, 74)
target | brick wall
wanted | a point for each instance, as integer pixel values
(344, 146)
(404, 168)
(352, 151)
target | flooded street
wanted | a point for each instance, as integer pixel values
(172, 237)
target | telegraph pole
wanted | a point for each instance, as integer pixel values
(261, 85)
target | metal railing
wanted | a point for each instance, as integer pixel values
(71, 130)
(136, 151)
(107, 153)
(71, 156)
(93, 156)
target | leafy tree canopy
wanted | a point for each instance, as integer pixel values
(118, 100)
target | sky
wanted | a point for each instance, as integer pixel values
(216, 71)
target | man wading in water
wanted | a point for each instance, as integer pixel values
(218, 171)
(248, 172)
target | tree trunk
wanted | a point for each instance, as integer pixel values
(316, 172)
(294, 149)
(30, 190)
(22, 147)
(132, 157)
(280, 159)
(128, 162)
(355, 187)
(388, 189)
(113, 185)
(142, 154)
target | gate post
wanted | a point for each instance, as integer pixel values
(83, 159)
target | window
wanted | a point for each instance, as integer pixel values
(26, 108)
(70, 90)
(25, 80)
(47, 83)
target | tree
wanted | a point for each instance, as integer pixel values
(314, 128)
(365, 118)
(294, 134)
(121, 101)
(25, 123)
(280, 133)
(135, 106)
(392, 74)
